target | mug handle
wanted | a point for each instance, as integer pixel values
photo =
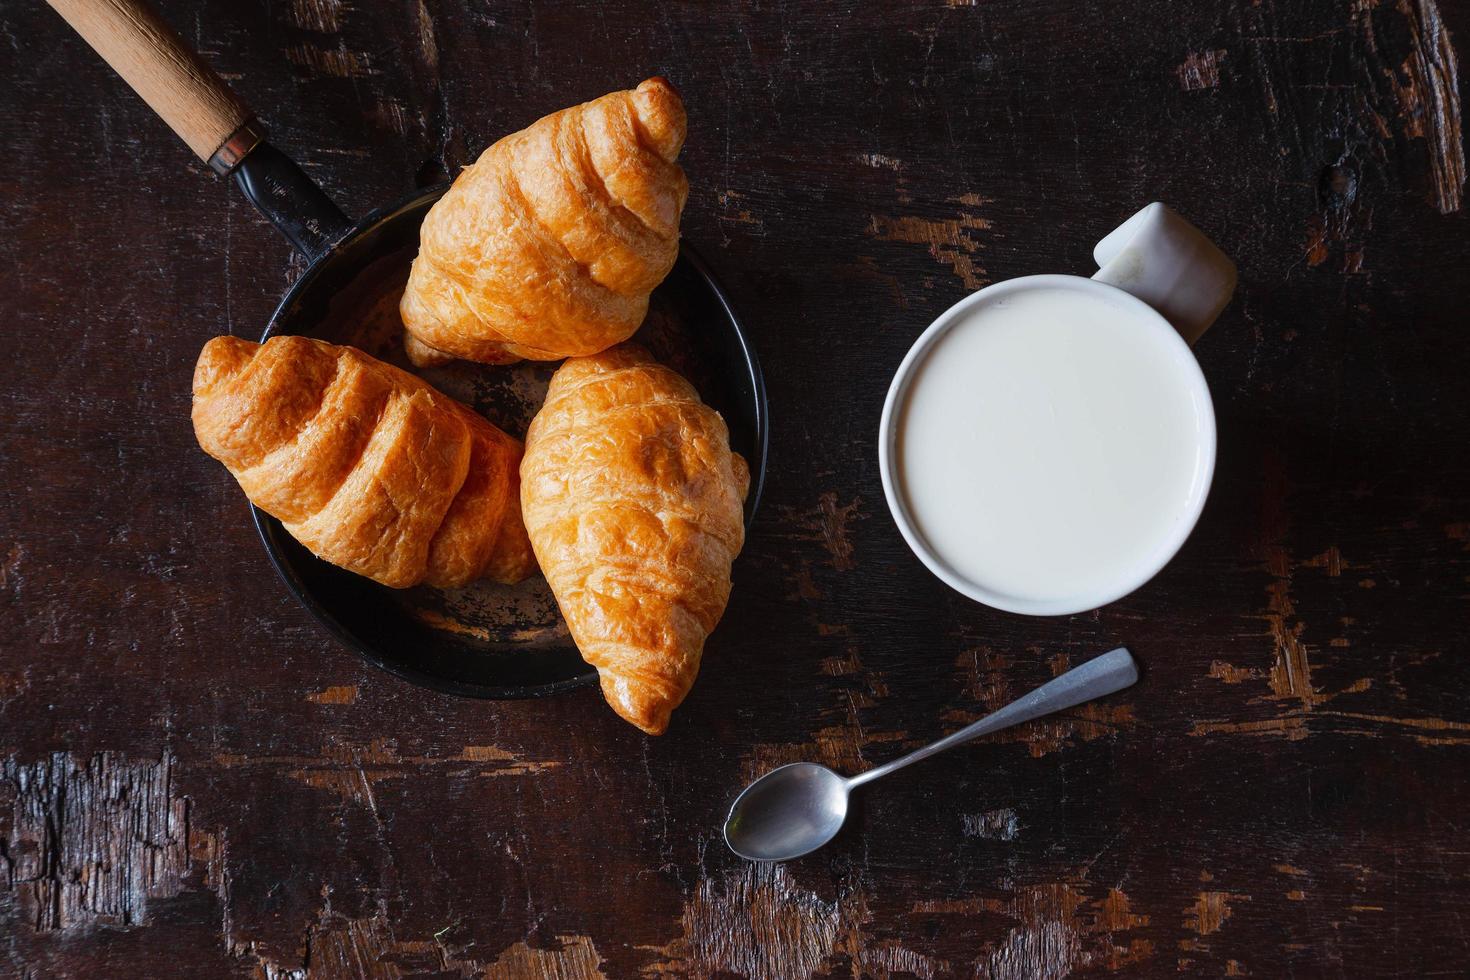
(1169, 264)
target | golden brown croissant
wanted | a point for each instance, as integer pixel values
(366, 465)
(549, 244)
(633, 501)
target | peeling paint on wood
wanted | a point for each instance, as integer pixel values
(575, 958)
(1056, 732)
(1115, 913)
(1057, 930)
(352, 771)
(881, 161)
(428, 43)
(1291, 674)
(1047, 945)
(323, 16)
(1045, 951)
(734, 212)
(838, 747)
(884, 961)
(985, 676)
(93, 840)
(340, 694)
(1200, 70)
(757, 922)
(829, 524)
(951, 241)
(1210, 910)
(1231, 674)
(337, 62)
(1428, 89)
(392, 115)
(337, 947)
(1001, 824)
(1397, 83)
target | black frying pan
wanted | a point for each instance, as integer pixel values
(484, 640)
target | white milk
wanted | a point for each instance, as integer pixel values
(1049, 444)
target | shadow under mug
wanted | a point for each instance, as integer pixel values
(1174, 283)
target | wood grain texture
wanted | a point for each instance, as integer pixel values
(196, 781)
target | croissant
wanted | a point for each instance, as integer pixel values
(549, 244)
(366, 465)
(632, 498)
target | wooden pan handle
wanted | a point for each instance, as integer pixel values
(154, 60)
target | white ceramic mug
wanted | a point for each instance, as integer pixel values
(1161, 283)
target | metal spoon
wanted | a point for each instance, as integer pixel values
(796, 809)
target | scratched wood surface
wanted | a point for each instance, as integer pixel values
(195, 780)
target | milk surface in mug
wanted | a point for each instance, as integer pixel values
(1049, 443)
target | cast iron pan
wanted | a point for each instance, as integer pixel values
(484, 640)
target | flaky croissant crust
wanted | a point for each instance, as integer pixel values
(550, 243)
(367, 466)
(633, 501)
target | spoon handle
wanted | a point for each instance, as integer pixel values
(1102, 675)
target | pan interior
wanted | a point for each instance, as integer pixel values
(485, 640)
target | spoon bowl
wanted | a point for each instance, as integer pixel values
(788, 812)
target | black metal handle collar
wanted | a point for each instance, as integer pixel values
(292, 201)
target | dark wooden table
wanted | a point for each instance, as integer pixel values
(196, 781)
